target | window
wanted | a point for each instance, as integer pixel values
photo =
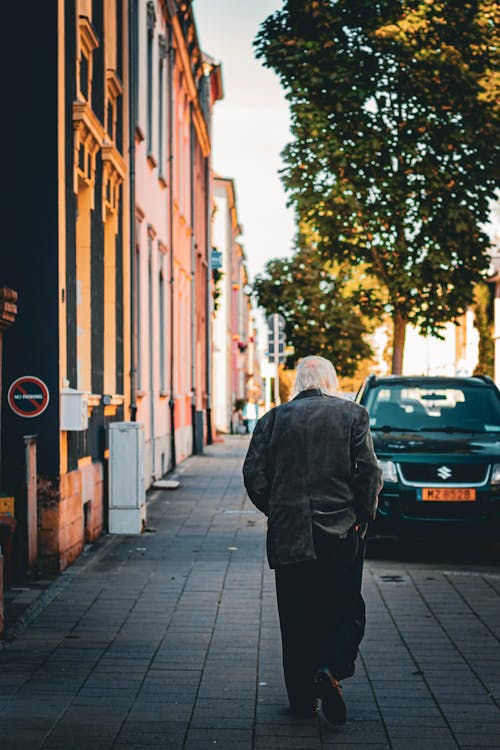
(110, 229)
(83, 290)
(429, 406)
(84, 76)
(138, 303)
(87, 43)
(151, 336)
(161, 102)
(151, 18)
(161, 299)
(114, 91)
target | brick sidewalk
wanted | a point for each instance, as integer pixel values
(170, 640)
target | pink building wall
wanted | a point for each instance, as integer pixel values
(232, 319)
(172, 164)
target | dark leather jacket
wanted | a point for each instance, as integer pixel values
(311, 462)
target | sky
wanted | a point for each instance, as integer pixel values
(250, 125)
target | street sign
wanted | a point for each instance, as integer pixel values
(28, 396)
(276, 340)
(215, 259)
(276, 320)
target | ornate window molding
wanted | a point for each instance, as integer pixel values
(89, 135)
(87, 43)
(114, 89)
(113, 173)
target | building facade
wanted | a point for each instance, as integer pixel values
(176, 87)
(69, 175)
(233, 356)
(107, 246)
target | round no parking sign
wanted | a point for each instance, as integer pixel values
(28, 396)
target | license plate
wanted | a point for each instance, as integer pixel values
(447, 494)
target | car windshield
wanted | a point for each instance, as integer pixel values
(430, 407)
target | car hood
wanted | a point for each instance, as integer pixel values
(473, 445)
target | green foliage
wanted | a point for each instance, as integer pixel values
(323, 307)
(395, 125)
(484, 325)
(217, 276)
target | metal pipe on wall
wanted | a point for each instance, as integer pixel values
(208, 315)
(132, 59)
(171, 403)
(193, 280)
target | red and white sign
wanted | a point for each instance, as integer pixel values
(28, 396)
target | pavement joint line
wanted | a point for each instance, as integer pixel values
(452, 642)
(462, 597)
(410, 653)
(374, 694)
(218, 597)
(104, 652)
(90, 554)
(473, 574)
(219, 602)
(146, 673)
(47, 595)
(257, 666)
(33, 611)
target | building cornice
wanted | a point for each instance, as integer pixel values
(114, 84)
(192, 89)
(88, 37)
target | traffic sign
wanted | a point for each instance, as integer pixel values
(276, 320)
(276, 340)
(28, 396)
(215, 259)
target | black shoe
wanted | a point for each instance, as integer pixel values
(327, 687)
(307, 710)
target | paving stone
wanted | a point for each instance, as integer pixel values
(176, 646)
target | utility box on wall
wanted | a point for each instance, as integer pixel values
(74, 410)
(127, 493)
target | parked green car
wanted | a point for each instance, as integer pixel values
(438, 444)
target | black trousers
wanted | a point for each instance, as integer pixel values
(321, 613)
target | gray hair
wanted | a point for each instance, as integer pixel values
(315, 372)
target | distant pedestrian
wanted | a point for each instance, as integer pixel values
(311, 469)
(250, 415)
(237, 423)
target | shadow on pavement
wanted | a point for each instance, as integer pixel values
(434, 548)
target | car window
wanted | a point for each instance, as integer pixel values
(426, 407)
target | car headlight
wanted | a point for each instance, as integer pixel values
(389, 473)
(495, 474)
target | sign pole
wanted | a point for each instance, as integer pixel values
(277, 360)
(276, 349)
(31, 491)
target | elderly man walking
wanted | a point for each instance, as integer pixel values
(312, 470)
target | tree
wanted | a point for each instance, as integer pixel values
(394, 155)
(483, 321)
(322, 305)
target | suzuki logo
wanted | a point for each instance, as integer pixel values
(444, 472)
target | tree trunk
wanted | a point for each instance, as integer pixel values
(398, 344)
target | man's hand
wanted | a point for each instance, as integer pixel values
(361, 529)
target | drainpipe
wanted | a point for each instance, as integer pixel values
(171, 403)
(193, 281)
(132, 60)
(209, 300)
